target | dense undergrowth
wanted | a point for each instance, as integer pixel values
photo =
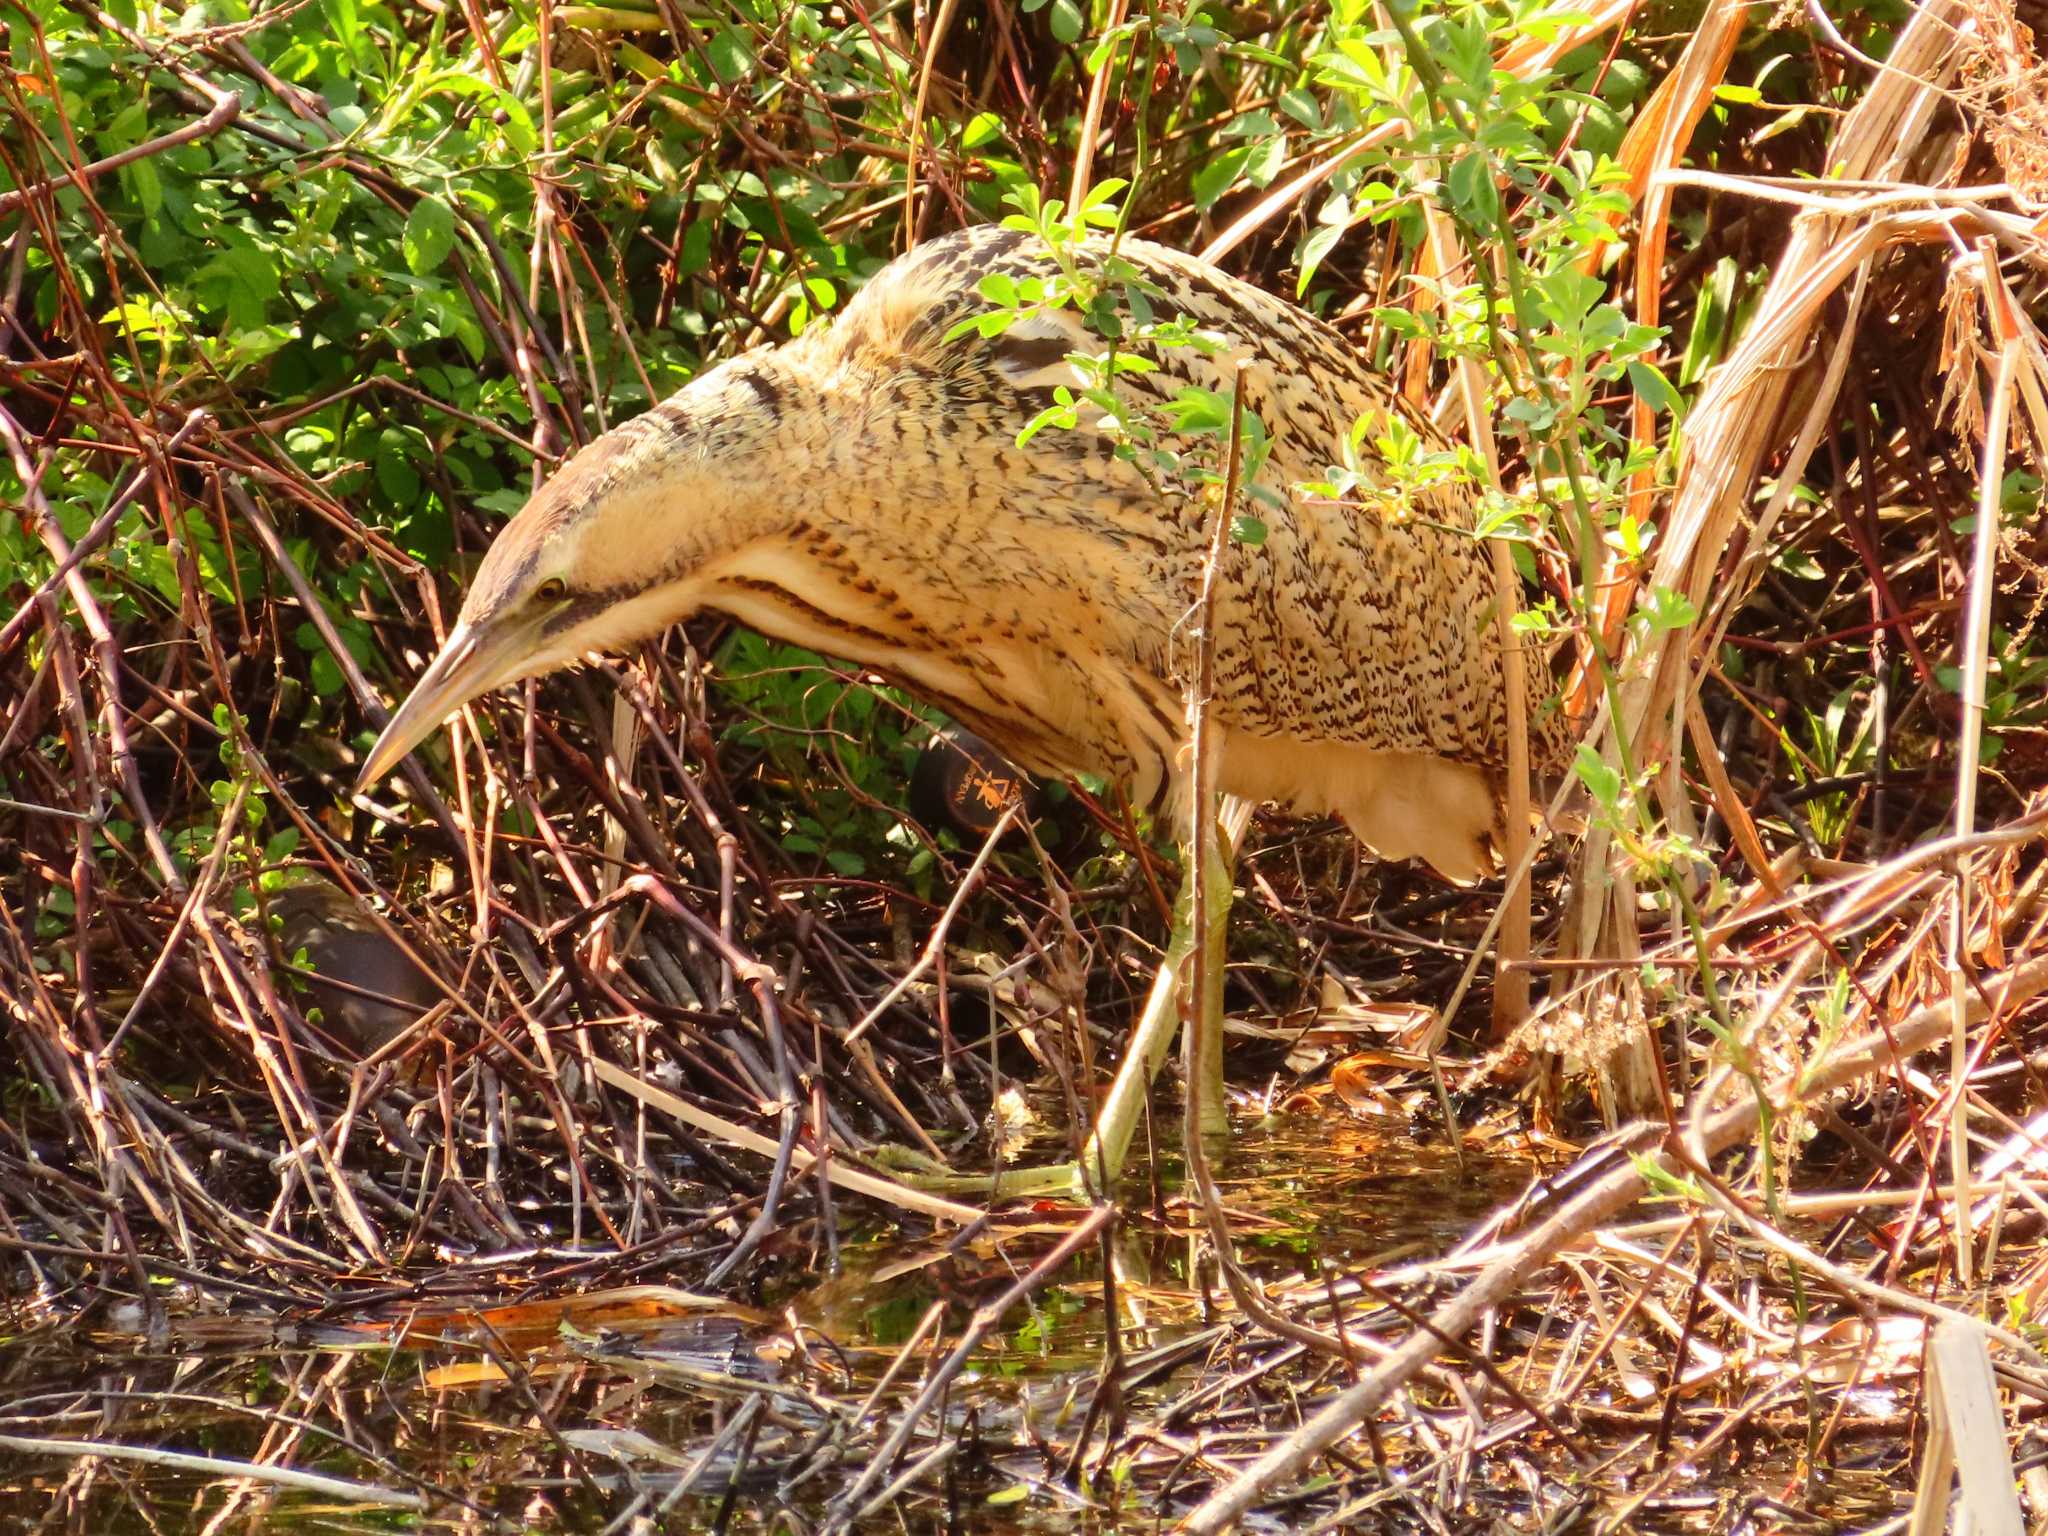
(299, 302)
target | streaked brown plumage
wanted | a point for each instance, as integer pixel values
(860, 491)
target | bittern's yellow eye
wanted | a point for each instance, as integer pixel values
(553, 590)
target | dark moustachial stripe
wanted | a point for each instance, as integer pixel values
(589, 605)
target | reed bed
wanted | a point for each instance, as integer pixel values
(511, 1146)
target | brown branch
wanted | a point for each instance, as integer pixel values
(225, 111)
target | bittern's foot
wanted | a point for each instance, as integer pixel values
(1063, 1181)
(926, 1173)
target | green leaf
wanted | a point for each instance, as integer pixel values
(982, 128)
(396, 476)
(147, 186)
(1602, 781)
(346, 20)
(1265, 161)
(1650, 383)
(1219, 175)
(1797, 564)
(1066, 21)
(1320, 242)
(1710, 319)
(846, 862)
(1303, 108)
(1199, 410)
(732, 56)
(429, 235)
(1666, 609)
(1473, 192)
(1102, 192)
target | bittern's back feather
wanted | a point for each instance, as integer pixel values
(1351, 625)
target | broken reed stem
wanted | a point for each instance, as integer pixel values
(1510, 982)
(217, 1467)
(1202, 1020)
(889, 1191)
(1976, 667)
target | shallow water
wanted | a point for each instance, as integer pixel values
(589, 1412)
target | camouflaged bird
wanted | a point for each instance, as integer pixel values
(860, 491)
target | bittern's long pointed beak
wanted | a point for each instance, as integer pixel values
(474, 661)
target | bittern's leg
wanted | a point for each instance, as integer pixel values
(1146, 1053)
(1102, 1157)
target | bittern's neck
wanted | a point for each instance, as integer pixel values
(668, 499)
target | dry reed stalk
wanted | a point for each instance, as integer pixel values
(1736, 425)
(1966, 1436)
(934, 40)
(216, 1466)
(1976, 664)
(1656, 141)
(1091, 118)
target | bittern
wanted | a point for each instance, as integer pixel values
(861, 491)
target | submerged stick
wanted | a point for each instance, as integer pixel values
(215, 1466)
(986, 1318)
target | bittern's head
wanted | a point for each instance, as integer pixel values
(614, 548)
